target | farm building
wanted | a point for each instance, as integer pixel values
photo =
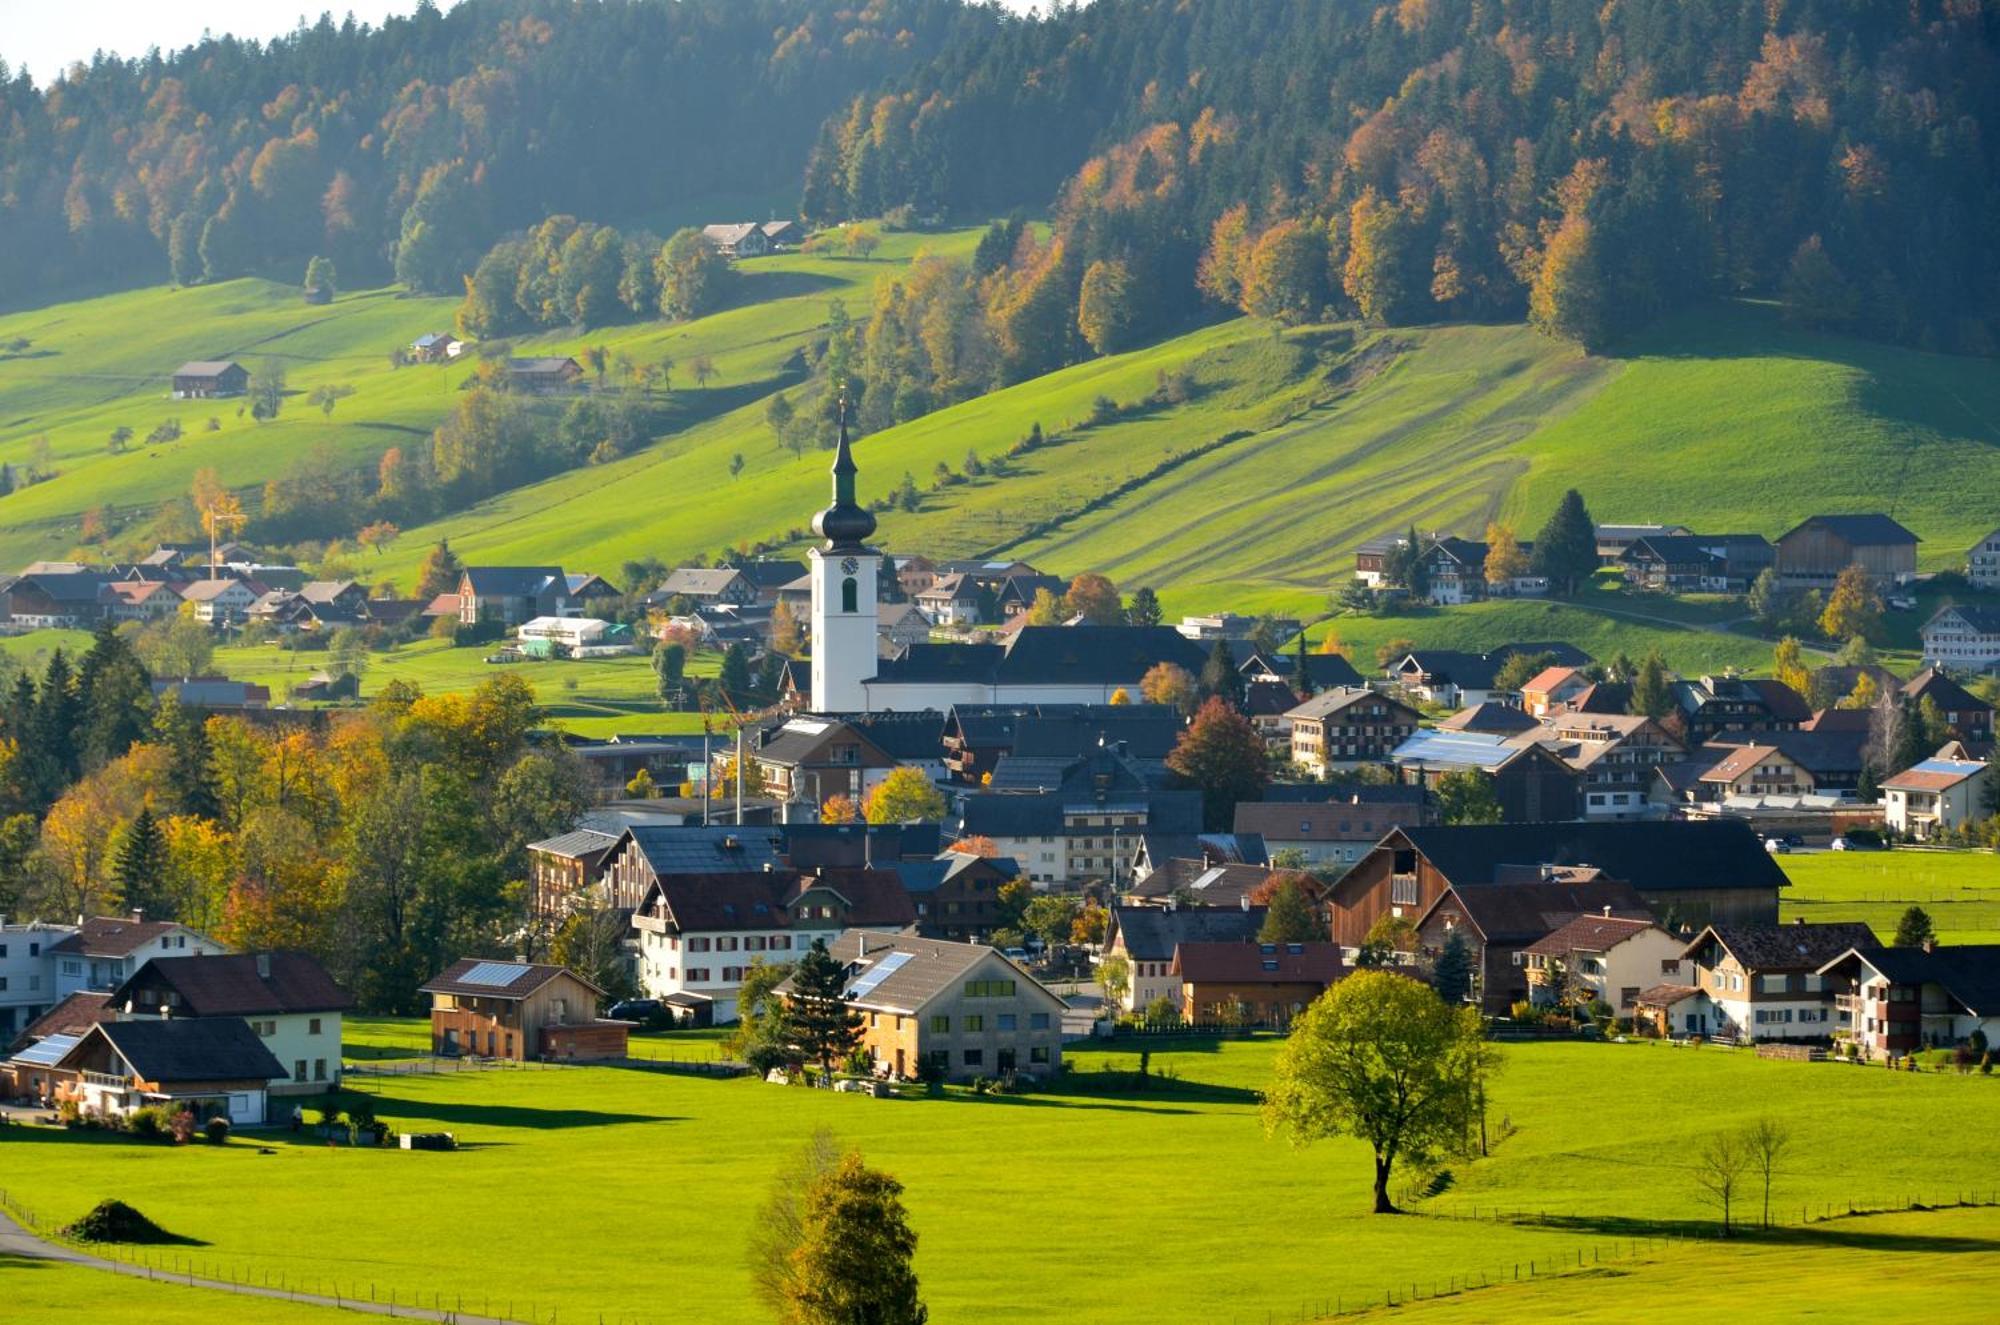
(518, 1011)
(206, 379)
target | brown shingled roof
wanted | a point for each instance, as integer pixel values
(1598, 933)
(113, 936)
(1259, 963)
(234, 985)
(73, 1016)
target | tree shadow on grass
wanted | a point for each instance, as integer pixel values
(391, 1110)
(1850, 1232)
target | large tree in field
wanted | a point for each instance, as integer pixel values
(1222, 754)
(694, 278)
(819, 1026)
(1854, 608)
(1566, 549)
(1381, 1058)
(852, 1265)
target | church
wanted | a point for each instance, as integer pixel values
(1038, 665)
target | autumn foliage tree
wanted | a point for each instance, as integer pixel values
(1222, 755)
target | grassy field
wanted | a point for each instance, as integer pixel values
(40, 1290)
(1017, 1200)
(1959, 889)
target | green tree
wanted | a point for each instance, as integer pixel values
(1222, 755)
(852, 1265)
(320, 277)
(1914, 929)
(140, 867)
(1566, 549)
(1652, 694)
(1144, 607)
(1105, 308)
(267, 389)
(669, 669)
(905, 796)
(1521, 668)
(1114, 976)
(1451, 975)
(1050, 917)
(819, 1025)
(591, 943)
(759, 1036)
(694, 278)
(1382, 1059)
(1815, 294)
(734, 675)
(1465, 796)
(1220, 677)
(1290, 917)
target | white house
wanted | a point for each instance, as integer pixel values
(27, 972)
(1895, 1000)
(1936, 796)
(1146, 937)
(1982, 563)
(289, 1000)
(105, 951)
(1604, 958)
(1756, 982)
(220, 602)
(1963, 638)
(215, 1066)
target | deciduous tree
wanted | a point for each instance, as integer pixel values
(905, 796)
(1222, 755)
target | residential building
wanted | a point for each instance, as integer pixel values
(1936, 796)
(1347, 727)
(141, 600)
(1755, 982)
(741, 239)
(1330, 835)
(647, 853)
(215, 1066)
(1969, 717)
(207, 379)
(1697, 563)
(703, 584)
(104, 951)
(976, 737)
(27, 973)
(809, 759)
(1614, 756)
(562, 870)
(1253, 984)
(1893, 1001)
(1146, 937)
(956, 896)
(1613, 539)
(783, 234)
(1607, 959)
(1458, 680)
(1532, 783)
(1371, 559)
(1038, 665)
(952, 600)
(1686, 873)
(1982, 563)
(289, 1000)
(544, 375)
(220, 602)
(699, 934)
(1965, 639)
(511, 595)
(60, 599)
(1078, 829)
(1322, 671)
(435, 347)
(1709, 705)
(517, 1011)
(1551, 689)
(1497, 921)
(1813, 553)
(1752, 770)
(958, 1010)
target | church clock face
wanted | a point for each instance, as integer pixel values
(848, 565)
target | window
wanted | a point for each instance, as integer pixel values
(1670, 966)
(72, 968)
(975, 1057)
(755, 943)
(1038, 1021)
(976, 1022)
(312, 1027)
(697, 945)
(1007, 1021)
(697, 974)
(732, 974)
(850, 595)
(319, 1069)
(940, 1025)
(940, 1059)
(989, 989)
(1039, 1054)
(299, 1070)
(781, 942)
(727, 943)
(1403, 889)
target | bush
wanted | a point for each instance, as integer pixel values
(148, 1124)
(183, 1127)
(217, 1131)
(1103, 410)
(115, 1221)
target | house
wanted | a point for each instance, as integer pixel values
(1253, 984)
(563, 868)
(954, 1010)
(1936, 796)
(1552, 688)
(1755, 982)
(1752, 770)
(1607, 959)
(1696, 563)
(216, 1066)
(1371, 559)
(646, 853)
(67, 599)
(1347, 727)
(1457, 570)
(699, 934)
(1038, 665)
(976, 738)
(1493, 718)
(1198, 882)
(809, 760)
(220, 602)
(1709, 705)
(518, 1011)
(956, 896)
(1613, 539)
(104, 951)
(1969, 717)
(1813, 553)
(1322, 671)
(1457, 680)
(214, 693)
(1330, 835)
(1982, 563)
(703, 584)
(1497, 921)
(952, 600)
(1160, 861)
(544, 375)
(435, 347)
(289, 1000)
(1962, 638)
(1893, 1001)
(1077, 823)
(206, 379)
(783, 234)
(141, 600)
(511, 595)
(1532, 783)
(1686, 873)
(1613, 755)
(27, 978)
(898, 627)
(1146, 937)
(743, 239)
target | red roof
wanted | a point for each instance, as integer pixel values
(1598, 933)
(1259, 963)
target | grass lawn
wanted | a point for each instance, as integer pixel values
(42, 1290)
(1960, 890)
(1014, 1198)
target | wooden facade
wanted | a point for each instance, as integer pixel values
(542, 1023)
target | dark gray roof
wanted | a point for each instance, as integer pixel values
(1050, 655)
(705, 849)
(1475, 671)
(1523, 912)
(1041, 815)
(1152, 933)
(200, 1049)
(1985, 620)
(1788, 947)
(912, 736)
(927, 876)
(1666, 856)
(941, 662)
(925, 969)
(579, 845)
(1355, 793)
(516, 581)
(849, 846)
(1969, 972)
(233, 985)
(1871, 528)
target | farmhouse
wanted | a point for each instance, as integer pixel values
(1613, 539)
(1497, 921)
(141, 600)
(1147, 936)
(220, 602)
(1251, 983)
(1936, 796)
(562, 868)
(1690, 872)
(62, 599)
(1614, 756)
(1607, 959)
(1963, 638)
(518, 1011)
(1696, 563)
(545, 375)
(1532, 783)
(645, 854)
(702, 584)
(959, 1010)
(957, 895)
(217, 1066)
(1712, 704)
(288, 998)
(1755, 982)
(205, 379)
(1982, 563)
(435, 347)
(1345, 727)
(743, 239)
(809, 760)
(1969, 717)
(1892, 1001)
(1457, 680)
(511, 595)
(1330, 835)
(1814, 553)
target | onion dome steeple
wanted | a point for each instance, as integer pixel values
(846, 524)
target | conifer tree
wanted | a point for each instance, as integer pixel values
(140, 867)
(1566, 549)
(819, 1025)
(1452, 975)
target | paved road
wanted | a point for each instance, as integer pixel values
(17, 1241)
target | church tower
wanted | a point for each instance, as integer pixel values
(844, 571)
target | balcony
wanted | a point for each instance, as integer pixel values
(106, 1080)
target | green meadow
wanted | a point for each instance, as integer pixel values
(1083, 1203)
(1960, 890)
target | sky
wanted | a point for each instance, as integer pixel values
(48, 35)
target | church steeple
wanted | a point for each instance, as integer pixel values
(846, 524)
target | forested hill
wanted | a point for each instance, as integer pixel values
(421, 142)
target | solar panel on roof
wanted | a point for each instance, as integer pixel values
(877, 973)
(47, 1052)
(497, 974)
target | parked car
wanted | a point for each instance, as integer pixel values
(634, 1009)
(1777, 846)
(1015, 954)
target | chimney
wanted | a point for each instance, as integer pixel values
(138, 915)
(767, 867)
(263, 966)
(1244, 901)
(1930, 943)
(1607, 910)
(819, 871)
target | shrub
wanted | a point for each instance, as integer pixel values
(1103, 410)
(115, 1221)
(1986, 1063)
(183, 1127)
(217, 1131)
(148, 1124)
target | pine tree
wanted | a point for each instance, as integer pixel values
(1452, 975)
(52, 731)
(1219, 677)
(1914, 929)
(819, 1025)
(140, 867)
(1650, 693)
(1144, 609)
(440, 572)
(1302, 682)
(1566, 549)
(735, 673)
(1290, 917)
